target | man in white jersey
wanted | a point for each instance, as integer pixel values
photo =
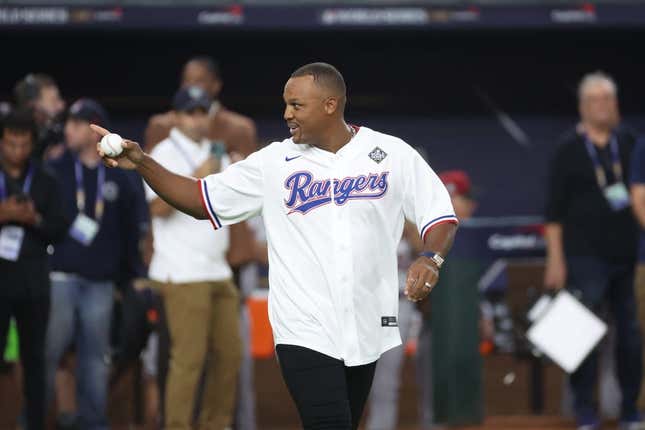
(333, 198)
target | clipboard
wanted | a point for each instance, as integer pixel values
(566, 331)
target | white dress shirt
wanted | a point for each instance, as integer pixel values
(185, 249)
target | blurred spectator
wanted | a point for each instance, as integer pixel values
(31, 217)
(459, 186)
(5, 110)
(383, 410)
(253, 279)
(99, 252)
(201, 302)
(591, 238)
(638, 204)
(384, 395)
(235, 131)
(39, 93)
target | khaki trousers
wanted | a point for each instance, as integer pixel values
(203, 321)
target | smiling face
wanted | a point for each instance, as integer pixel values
(309, 109)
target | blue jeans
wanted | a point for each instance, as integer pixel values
(597, 282)
(81, 312)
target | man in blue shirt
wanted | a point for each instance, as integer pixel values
(637, 187)
(103, 206)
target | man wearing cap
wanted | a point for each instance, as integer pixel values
(99, 252)
(236, 131)
(384, 395)
(458, 184)
(189, 265)
(459, 187)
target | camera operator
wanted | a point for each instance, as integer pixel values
(39, 93)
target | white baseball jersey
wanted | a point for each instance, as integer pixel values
(333, 223)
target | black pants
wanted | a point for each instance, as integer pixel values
(599, 282)
(328, 395)
(31, 317)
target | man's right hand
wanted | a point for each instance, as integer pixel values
(130, 158)
(211, 165)
(179, 191)
(12, 210)
(555, 273)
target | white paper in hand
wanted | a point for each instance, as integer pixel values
(567, 331)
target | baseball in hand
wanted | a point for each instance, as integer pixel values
(111, 145)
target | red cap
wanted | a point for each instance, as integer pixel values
(457, 182)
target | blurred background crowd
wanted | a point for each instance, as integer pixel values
(117, 311)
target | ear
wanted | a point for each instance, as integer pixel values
(331, 105)
(216, 87)
(581, 108)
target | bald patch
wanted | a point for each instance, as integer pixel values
(595, 80)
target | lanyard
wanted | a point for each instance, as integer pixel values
(99, 204)
(184, 154)
(615, 162)
(26, 186)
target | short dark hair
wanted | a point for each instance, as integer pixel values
(209, 63)
(325, 75)
(21, 121)
(30, 87)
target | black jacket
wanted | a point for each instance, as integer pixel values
(29, 276)
(590, 226)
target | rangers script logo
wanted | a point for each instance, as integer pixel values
(306, 193)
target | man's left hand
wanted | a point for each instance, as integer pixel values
(423, 275)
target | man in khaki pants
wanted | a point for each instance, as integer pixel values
(189, 266)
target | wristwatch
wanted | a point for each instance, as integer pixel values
(435, 257)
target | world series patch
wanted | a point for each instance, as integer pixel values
(377, 154)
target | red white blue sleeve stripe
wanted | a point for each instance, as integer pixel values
(435, 222)
(206, 202)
